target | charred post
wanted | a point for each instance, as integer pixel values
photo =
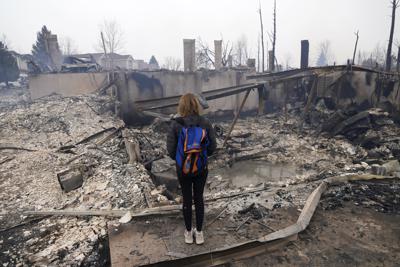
(305, 50)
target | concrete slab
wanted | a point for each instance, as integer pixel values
(159, 239)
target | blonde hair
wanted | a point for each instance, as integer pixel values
(188, 105)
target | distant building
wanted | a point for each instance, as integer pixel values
(22, 61)
(153, 63)
(124, 62)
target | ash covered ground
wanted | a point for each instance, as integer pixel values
(278, 158)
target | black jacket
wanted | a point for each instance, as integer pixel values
(176, 127)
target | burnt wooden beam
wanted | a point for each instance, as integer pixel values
(236, 117)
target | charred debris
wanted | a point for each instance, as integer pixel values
(73, 173)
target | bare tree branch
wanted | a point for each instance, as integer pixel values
(171, 63)
(262, 41)
(205, 56)
(113, 36)
(395, 4)
(68, 46)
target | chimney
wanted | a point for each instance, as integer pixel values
(54, 51)
(218, 54)
(189, 55)
(271, 60)
(305, 47)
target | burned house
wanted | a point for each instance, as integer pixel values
(306, 172)
(109, 61)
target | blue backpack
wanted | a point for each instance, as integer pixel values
(191, 151)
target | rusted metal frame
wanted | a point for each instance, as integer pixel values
(204, 93)
(173, 101)
(253, 248)
(312, 69)
(236, 117)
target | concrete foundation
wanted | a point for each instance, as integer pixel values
(66, 84)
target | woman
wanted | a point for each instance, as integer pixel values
(190, 141)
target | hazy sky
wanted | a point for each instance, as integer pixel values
(157, 27)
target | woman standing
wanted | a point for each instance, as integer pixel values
(190, 141)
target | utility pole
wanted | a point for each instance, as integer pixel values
(262, 39)
(274, 39)
(258, 53)
(104, 46)
(395, 4)
(398, 60)
(355, 47)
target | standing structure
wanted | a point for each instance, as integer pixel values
(271, 63)
(305, 49)
(218, 54)
(189, 54)
(54, 51)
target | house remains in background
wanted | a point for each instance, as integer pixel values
(22, 61)
(117, 61)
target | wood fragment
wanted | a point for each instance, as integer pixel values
(108, 137)
(165, 210)
(16, 148)
(24, 223)
(101, 90)
(237, 194)
(219, 215)
(74, 158)
(92, 136)
(91, 108)
(6, 159)
(236, 117)
(240, 225)
(132, 148)
(266, 226)
(311, 96)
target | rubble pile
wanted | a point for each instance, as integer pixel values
(71, 153)
(42, 139)
(372, 129)
(17, 95)
(382, 197)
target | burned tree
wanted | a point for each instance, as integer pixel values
(272, 37)
(40, 50)
(68, 46)
(111, 40)
(262, 42)
(395, 5)
(241, 51)
(9, 71)
(205, 55)
(398, 60)
(171, 63)
(153, 61)
(324, 55)
(355, 48)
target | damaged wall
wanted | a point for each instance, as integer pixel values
(65, 84)
(340, 89)
(157, 84)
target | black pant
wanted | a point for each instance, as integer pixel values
(193, 188)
